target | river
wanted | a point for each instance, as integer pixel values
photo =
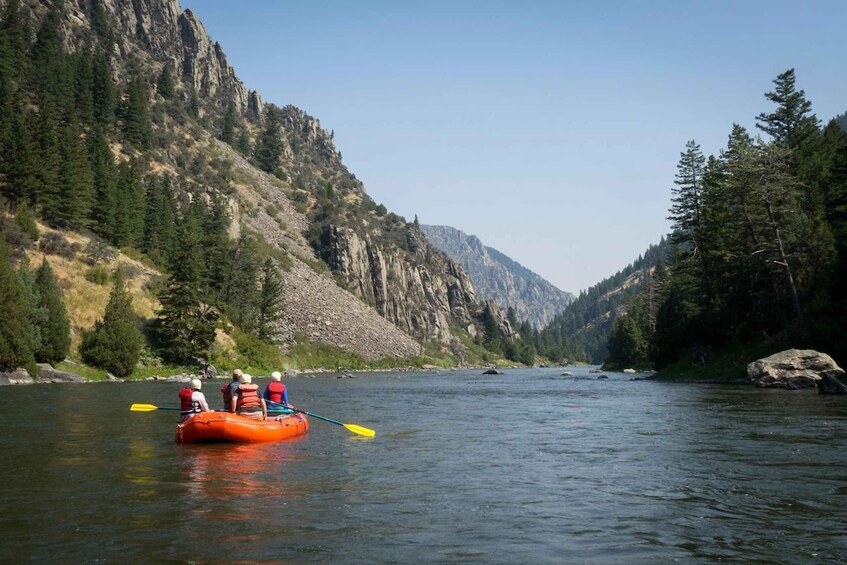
(525, 467)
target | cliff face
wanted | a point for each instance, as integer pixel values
(497, 277)
(421, 299)
(161, 32)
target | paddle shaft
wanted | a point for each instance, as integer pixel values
(319, 417)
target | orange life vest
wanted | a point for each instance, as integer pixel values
(248, 398)
(275, 391)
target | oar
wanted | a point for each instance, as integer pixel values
(149, 408)
(362, 431)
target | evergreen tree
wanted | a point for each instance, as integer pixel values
(16, 333)
(165, 83)
(627, 347)
(104, 177)
(56, 331)
(115, 342)
(72, 208)
(14, 42)
(792, 122)
(103, 91)
(228, 125)
(193, 104)
(270, 303)
(269, 145)
(238, 291)
(137, 112)
(128, 228)
(159, 236)
(100, 24)
(33, 313)
(243, 143)
(83, 86)
(19, 166)
(186, 322)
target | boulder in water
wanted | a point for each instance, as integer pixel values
(792, 369)
(19, 376)
(47, 374)
(492, 372)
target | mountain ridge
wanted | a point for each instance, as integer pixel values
(498, 277)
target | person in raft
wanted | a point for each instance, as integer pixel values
(227, 388)
(246, 400)
(275, 391)
(192, 401)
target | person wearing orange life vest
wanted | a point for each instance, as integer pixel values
(275, 391)
(246, 400)
(191, 400)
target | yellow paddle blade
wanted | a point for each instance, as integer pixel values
(143, 408)
(360, 430)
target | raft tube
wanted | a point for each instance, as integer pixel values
(225, 426)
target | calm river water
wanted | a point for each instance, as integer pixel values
(526, 467)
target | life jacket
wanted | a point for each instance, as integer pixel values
(187, 406)
(275, 391)
(248, 398)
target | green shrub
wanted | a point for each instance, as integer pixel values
(97, 275)
(26, 222)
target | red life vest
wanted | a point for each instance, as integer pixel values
(186, 406)
(248, 398)
(275, 391)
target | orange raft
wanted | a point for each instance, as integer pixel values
(225, 426)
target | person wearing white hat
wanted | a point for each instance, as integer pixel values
(275, 391)
(246, 400)
(191, 400)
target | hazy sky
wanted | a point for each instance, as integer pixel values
(549, 129)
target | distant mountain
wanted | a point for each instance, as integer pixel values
(497, 277)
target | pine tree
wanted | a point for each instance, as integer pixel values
(19, 166)
(15, 330)
(115, 342)
(137, 112)
(128, 228)
(243, 143)
(186, 322)
(159, 236)
(83, 86)
(105, 186)
(33, 313)
(100, 24)
(270, 303)
(792, 122)
(103, 91)
(269, 145)
(14, 42)
(165, 83)
(72, 209)
(228, 125)
(56, 331)
(238, 290)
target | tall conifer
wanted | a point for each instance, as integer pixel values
(56, 331)
(15, 331)
(115, 342)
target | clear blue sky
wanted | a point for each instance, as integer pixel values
(550, 129)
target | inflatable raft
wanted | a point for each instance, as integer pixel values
(225, 426)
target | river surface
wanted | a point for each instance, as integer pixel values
(525, 467)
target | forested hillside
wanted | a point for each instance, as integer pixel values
(125, 123)
(581, 331)
(760, 245)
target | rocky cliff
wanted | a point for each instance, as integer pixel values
(386, 284)
(497, 277)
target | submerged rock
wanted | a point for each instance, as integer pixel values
(792, 369)
(492, 372)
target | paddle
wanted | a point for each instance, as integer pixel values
(149, 408)
(362, 431)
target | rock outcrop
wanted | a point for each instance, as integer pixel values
(160, 32)
(792, 369)
(421, 299)
(497, 277)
